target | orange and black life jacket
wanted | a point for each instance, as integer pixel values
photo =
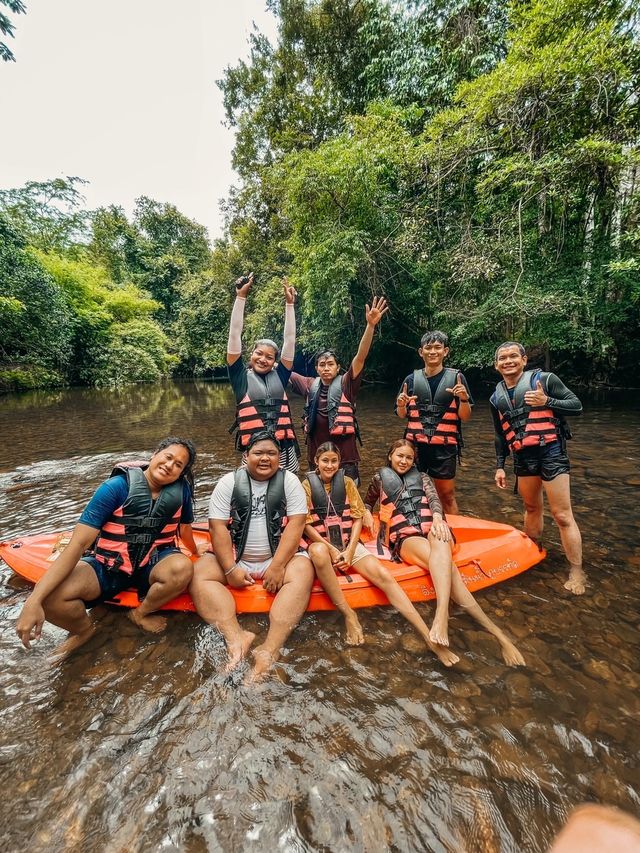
(404, 508)
(241, 502)
(264, 407)
(320, 507)
(127, 539)
(434, 420)
(341, 412)
(524, 425)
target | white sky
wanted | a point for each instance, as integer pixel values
(122, 93)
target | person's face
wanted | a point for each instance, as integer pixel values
(327, 369)
(263, 460)
(510, 362)
(327, 464)
(401, 459)
(262, 358)
(168, 464)
(433, 354)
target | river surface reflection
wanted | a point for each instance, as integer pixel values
(141, 744)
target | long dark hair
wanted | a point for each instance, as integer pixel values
(401, 442)
(327, 447)
(189, 446)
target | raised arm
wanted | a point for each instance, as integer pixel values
(373, 315)
(289, 342)
(236, 324)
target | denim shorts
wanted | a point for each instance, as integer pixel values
(114, 582)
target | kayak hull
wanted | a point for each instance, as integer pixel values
(486, 553)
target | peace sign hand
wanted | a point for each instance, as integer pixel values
(290, 292)
(378, 308)
(537, 397)
(459, 390)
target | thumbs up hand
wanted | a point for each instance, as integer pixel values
(537, 397)
(459, 390)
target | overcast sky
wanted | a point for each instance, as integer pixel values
(122, 93)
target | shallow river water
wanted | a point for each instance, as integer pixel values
(140, 743)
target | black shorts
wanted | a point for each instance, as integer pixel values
(437, 460)
(114, 582)
(546, 462)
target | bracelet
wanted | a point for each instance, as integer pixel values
(233, 568)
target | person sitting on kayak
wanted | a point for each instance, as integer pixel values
(413, 525)
(261, 399)
(256, 519)
(334, 521)
(330, 398)
(436, 400)
(126, 537)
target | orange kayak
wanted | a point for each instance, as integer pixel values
(486, 553)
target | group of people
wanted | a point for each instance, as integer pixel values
(267, 527)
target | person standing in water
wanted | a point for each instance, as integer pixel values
(334, 521)
(329, 413)
(412, 523)
(436, 400)
(126, 537)
(528, 408)
(261, 399)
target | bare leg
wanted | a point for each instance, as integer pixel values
(463, 597)
(446, 490)
(321, 559)
(286, 611)
(376, 574)
(435, 555)
(530, 490)
(559, 495)
(216, 605)
(65, 607)
(168, 578)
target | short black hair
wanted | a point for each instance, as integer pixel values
(189, 446)
(435, 337)
(509, 344)
(325, 353)
(262, 435)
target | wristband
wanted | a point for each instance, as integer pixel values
(233, 568)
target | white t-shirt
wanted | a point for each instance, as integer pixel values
(257, 548)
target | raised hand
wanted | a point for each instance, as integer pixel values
(537, 397)
(378, 308)
(290, 292)
(243, 285)
(404, 398)
(459, 390)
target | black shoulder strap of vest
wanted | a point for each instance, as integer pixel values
(334, 393)
(447, 380)
(318, 494)
(276, 496)
(391, 482)
(339, 492)
(264, 385)
(421, 387)
(525, 383)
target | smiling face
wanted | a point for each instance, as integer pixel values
(401, 459)
(433, 355)
(327, 464)
(510, 364)
(167, 465)
(262, 358)
(327, 369)
(263, 460)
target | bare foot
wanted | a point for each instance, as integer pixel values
(439, 632)
(443, 653)
(355, 634)
(73, 642)
(511, 655)
(152, 624)
(577, 582)
(264, 660)
(238, 649)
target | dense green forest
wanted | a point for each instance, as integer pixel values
(477, 163)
